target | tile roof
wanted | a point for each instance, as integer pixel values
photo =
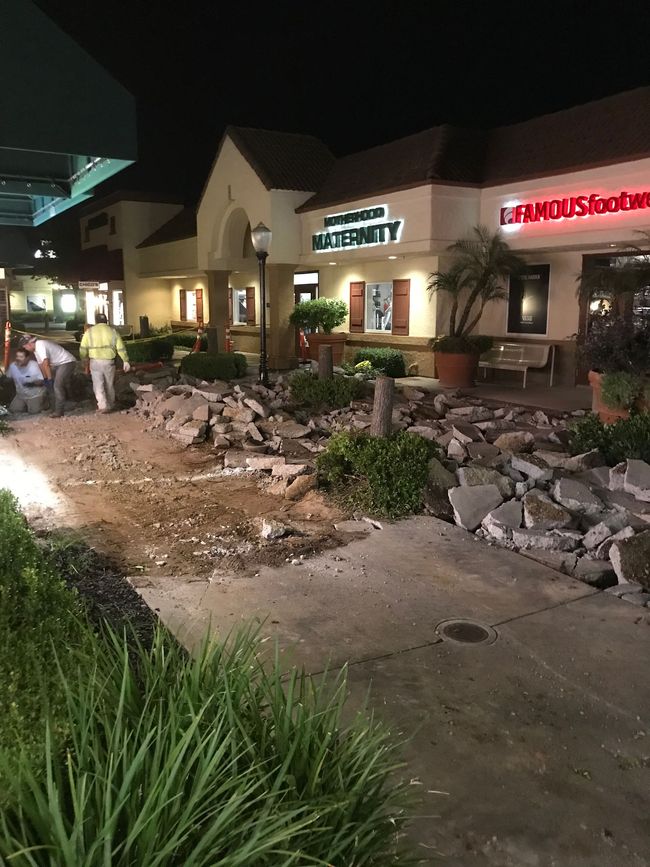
(614, 129)
(182, 225)
(283, 160)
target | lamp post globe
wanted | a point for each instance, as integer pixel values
(261, 238)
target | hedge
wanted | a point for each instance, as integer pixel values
(223, 365)
(188, 340)
(391, 361)
(158, 349)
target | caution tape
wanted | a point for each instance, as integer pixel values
(165, 336)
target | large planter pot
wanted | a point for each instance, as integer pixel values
(455, 369)
(336, 340)
(605, 413)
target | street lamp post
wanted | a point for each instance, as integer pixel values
(261, 238)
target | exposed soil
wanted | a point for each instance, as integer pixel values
(155, 507)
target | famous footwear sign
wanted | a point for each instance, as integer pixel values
(357, 229)
(575, 206)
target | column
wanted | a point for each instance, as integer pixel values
(218, 289)
(280, 300)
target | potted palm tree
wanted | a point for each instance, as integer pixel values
(616, 347)
(478, 275)
(321, 316)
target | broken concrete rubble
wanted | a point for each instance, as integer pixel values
(472, 504)
(631, 559)
(541, 513)
(637, 480)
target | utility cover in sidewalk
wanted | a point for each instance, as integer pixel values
(466, 632)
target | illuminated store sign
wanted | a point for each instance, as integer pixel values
(366, 227)
(575, 206)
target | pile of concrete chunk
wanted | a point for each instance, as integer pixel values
(520, 488)
(505, 471)
(245, 423)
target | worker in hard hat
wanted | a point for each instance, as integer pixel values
(99, 348)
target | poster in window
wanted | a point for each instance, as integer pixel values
(379, 306)
(36, 304)
(528, 301)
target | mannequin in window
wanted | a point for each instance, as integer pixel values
(376, 300)
(387, 318)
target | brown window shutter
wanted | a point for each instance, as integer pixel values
(230, 310)
(401, 304)
(250, 305)
(183, 297)
(199, 305)
(357, 293)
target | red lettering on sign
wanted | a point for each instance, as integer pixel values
(574, 206)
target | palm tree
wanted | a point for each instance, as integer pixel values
(480, 268)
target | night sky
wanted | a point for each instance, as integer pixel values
(355, 74)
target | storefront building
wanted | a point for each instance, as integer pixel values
(371, 227)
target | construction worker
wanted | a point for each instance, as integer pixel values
(57, 366)
(99, 347)
(31, 394)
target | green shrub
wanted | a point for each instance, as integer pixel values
(390, 361)
(202, 760)
(310, 391)
(158, 349)
(223, 365)
(626, 438)
(189, 340)
(384, 476)
(621, 390)
(321, 313)
(39, 630)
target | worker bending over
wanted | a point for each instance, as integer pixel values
(99, 347)
(57, 366)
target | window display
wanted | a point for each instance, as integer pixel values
(379, 306)
(528, 301)
(240, 312)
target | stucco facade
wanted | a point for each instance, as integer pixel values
(376, 251)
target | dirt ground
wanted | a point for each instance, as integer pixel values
(156, 507)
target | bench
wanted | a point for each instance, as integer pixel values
(124, 330)
(519, 356)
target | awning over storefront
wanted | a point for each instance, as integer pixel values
(66, 124)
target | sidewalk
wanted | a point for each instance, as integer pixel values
(559, 398)
(531, 751)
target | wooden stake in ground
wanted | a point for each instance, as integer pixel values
(325, 362)
(382, 408)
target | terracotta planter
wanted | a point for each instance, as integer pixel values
(606, 414)
(456, 370)
(336, 340)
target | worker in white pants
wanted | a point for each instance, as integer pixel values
(99, 347)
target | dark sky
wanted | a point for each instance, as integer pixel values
(355, 73)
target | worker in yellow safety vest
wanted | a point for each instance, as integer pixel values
(99, 347)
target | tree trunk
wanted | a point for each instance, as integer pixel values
(213, 340)
(325, 362)
(382, 408)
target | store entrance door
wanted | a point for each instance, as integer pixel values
(601, 301)
(304, 293)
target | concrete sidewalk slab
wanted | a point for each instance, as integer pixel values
(540, 741)
(381, 594)
(533, 751)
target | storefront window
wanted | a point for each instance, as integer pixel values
(379, 307)
(240, 313)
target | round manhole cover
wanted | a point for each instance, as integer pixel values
(466, 632)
